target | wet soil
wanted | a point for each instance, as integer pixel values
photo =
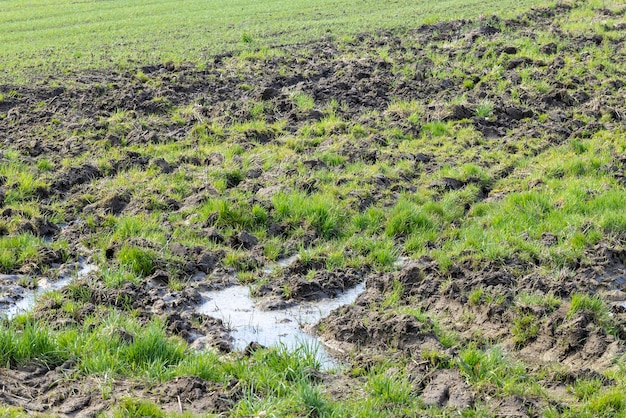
(70, 123)
(19, 292)
(37, 389)
(575, 341)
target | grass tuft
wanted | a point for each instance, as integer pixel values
(140, 261)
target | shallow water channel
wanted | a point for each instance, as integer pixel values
(248, 323)
(18, 299)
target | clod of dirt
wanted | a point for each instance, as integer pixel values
(197, 259)
(114, 204)
(254, 173)
(200, 331)
(164, 166)
(517, 113)
(482, 31)
(548, 49)
(514, 406)
(619, 26)
(50, 256)
(214, 236)
(198, 198)
(572, 376)
(449, 389)
(196, 395)
(447, 183)
(75, 176)
(518, 62)
(509, 50)
(459, 112)
(293, 285)
(252, 348)
(355, 327)
(178, 249)
(266, 193)
(270, 93)
(207, 261)
(549, 239)
(559, 98)
(159, 278)
(244, 240)
(40, 227)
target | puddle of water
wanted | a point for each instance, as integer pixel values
(29, 296)
(248, 324)
(280, 264)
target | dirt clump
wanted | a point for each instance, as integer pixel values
(448, 389)
(195, 395)
(356, 329)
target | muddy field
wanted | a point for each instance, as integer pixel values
(177, 180)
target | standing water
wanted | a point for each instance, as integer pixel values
(27, 297)
(249, 324)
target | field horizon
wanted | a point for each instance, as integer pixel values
(40, 39)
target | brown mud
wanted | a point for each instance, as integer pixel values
(39, 389)
(72, 119)
(575, 342)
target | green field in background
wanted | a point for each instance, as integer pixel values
(51, 37)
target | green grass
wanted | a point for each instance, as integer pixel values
(22, 343)
(595, 308)
(325, 213)
(27, 184)
(134, 408)
(389, 388)
(492, 367)
(12, 412)
(139, 260)
(19, 249)
(406, 218)
(150, 352)
(57, 36)
(525, 329)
